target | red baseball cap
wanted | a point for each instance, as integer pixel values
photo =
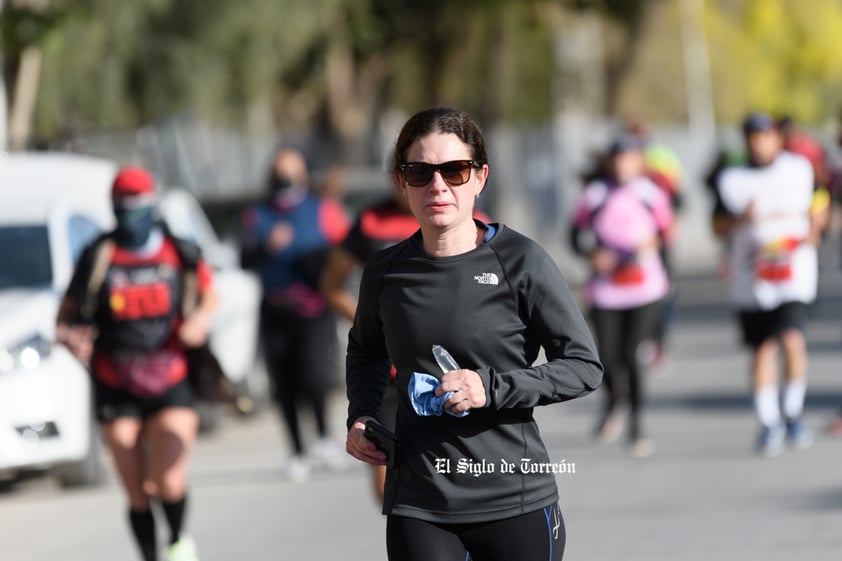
(132, 180)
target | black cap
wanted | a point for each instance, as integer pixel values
(625, 142)
(758, 122)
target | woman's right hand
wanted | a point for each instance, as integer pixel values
(79, 340)
(357, 445)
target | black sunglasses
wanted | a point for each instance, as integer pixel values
(455, 172)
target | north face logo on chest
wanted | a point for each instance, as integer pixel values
(487, 278)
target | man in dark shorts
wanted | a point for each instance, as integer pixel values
(767, 215)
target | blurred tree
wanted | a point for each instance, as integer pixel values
(630, 17)
(654, 85)
(492, 58)
(775, 55)
(338, 65)
(331, 64)
(23, 26)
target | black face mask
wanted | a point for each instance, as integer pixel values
(280, 184)
(134, 225)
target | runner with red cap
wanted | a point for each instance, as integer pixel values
(128, 314)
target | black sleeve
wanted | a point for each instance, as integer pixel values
(678, 202)
(581, 237)
(582, 240)
(252, 249)
(357, 244)
(711, 178)
(555, 322)
(252, 254)
(718, 208)
(367, 362)
(189, 252)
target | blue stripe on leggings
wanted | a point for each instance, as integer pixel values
(548, 513)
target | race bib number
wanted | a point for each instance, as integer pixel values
(774, 262)
(628, 274)
(774, 270)
(140, 301)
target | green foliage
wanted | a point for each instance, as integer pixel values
(122, 64)
(114, 64)
(494, 59)
(779, 56)
(125, 64)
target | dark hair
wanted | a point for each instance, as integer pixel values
(625, 142)
(442, 120)
(758, 121)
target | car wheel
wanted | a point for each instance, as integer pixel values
(88, 471)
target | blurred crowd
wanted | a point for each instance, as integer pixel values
(771, 201)
(625, 224)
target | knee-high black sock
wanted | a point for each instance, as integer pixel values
(174, 511)
(143, 527)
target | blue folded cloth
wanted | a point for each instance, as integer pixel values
(422, 395)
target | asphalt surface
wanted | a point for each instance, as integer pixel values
(703, 495)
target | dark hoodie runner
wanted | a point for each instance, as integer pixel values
(493, 308)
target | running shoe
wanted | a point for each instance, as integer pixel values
(642, 448)
(298, 469)
(182, 550)
(798, 435)
(771, 441)
(331, 455)
(611, 427)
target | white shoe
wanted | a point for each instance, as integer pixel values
(611, 427)
(330, 455)
(298, 469)
(642, 448)
(182, 550)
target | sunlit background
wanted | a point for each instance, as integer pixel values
(202, 91)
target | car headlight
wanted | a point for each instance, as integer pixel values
(27, 354)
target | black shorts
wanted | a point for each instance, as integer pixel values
(759, 326)
(110, 403)
(535, 536)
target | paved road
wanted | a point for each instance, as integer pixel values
(704, 495)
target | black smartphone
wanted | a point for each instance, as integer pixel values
(385, 440)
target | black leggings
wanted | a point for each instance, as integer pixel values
(298, 358)
(536, 536)
(618, 335)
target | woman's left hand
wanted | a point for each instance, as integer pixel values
(468, 390)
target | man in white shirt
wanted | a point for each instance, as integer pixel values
(765, 214)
